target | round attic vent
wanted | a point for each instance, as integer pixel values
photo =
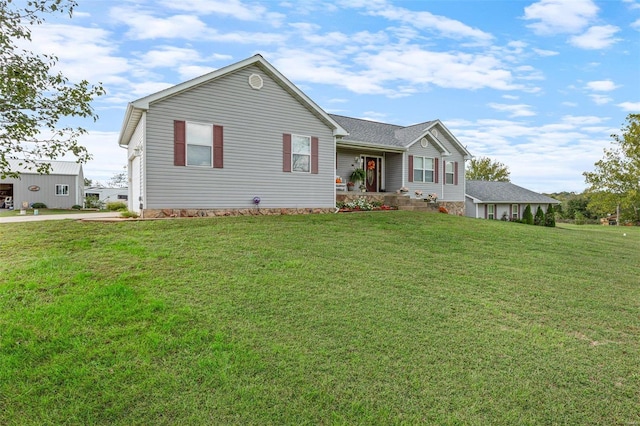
(255, 81)
(423, 142)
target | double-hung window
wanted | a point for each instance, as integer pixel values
(62, 189)
(422, 169)
(300, 153)
(199, 139)
(514, 211)
(449, 173)
(491, 211)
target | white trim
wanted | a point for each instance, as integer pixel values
(310, 153)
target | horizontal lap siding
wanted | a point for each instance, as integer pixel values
(253, 122)
(446, 192)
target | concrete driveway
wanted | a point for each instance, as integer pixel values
(76, 216)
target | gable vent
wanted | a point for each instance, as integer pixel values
(434, 132)
(423, 142)
(255, 81)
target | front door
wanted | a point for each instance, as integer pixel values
(373, 173)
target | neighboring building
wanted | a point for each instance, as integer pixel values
(62, 188)
(244, 137)
(108, 195)
(498, 200)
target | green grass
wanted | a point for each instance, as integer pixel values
(374, 318)
(29, 212)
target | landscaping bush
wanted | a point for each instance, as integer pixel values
(93, 202)
(550, 217)
(527, 216)
(38, 206)
(116, 206)
(127, 213)
(76, 207)
(538, 220)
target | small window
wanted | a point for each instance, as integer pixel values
(199, 144)
(123, 197)
(449, 174)
(514, 211)
(62, 189)
(491, 211)
(301, 153)
(422, 169)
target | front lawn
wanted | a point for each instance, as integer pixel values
(372, 318)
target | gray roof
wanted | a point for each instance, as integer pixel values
(57, 167)
(375, 133)
(504, 192)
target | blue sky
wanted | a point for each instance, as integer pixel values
(536, 85)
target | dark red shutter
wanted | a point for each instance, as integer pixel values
(179, 146)
(436, 171)
(411, 168)
(286, 152)
(455, 173)
(218, 144)
(486, 211)
(314, 155)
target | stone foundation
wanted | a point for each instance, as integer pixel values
(403, 202)
(168, 213)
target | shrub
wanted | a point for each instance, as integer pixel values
(93, 202)
(580, 219)
(550, 217)
(527, 216)
(76, 207)
(539, 217)
(116, 206)
(38, 206)
(505, 217)
(127, 213)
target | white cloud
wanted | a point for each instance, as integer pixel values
(630, 106)
(601, 99)
(231, 8)
(520, 110)
(560, 16)
(169, 56)
(597, 37)
(423, 20)
(543, 52)
(601, 86)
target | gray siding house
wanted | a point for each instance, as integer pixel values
(62, 188)
(498, 200)
(422, 157)
(242, 137)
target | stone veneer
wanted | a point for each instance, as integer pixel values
(166, 213)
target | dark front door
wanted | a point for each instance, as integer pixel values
(373, 173)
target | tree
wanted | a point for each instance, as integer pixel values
(550, 217)
(527, 216)
(34, 100)
(538, 219)
(483, 168)
(119, 180)
(616, 178)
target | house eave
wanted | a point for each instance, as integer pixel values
(369, 146)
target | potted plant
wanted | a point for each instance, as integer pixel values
(358, 175)
(350, 186)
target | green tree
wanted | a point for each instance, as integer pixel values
(119, 180)
(550, 217)
(538, 219)
(527, 216)
(615, 180)
(34, 100)
(483, 168)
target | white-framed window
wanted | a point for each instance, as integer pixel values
(62, 189)
(199, 141)
(423, 169)
(300, 153)
(491, 211)
(449, 173)
(514, 211)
